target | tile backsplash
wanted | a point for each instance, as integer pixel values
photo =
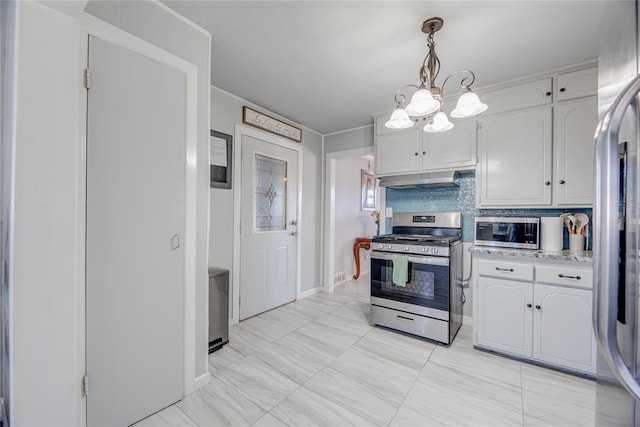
(461, 199)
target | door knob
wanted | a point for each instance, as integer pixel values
(293, 222)
(293, 233)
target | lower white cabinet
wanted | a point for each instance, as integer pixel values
(536, 311)
(503, 319)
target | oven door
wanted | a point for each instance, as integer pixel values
(428, 280)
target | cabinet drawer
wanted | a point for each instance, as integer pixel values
(517, 97)
(505, 269)
(565, 275)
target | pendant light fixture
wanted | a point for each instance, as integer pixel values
(427, 100)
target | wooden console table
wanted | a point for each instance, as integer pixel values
(361, 243)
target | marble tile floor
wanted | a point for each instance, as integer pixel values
(318, 362)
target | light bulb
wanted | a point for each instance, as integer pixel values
(468, 105)
(439, 123)
(422, 103)
(399, 120)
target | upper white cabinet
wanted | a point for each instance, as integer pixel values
(526, 159)
(413, 150)
(516, 97)
(575, 124)
(515, 159)
(577, 84)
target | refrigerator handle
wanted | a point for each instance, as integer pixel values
(606, 239)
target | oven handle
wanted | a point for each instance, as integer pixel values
(430, 260)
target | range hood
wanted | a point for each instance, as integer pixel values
(421, 180)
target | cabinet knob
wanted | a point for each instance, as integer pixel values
(529, 305)
(562, 181)
(538, 307)
(547, 183)
(424, 153)
(548, 94)
(415, 154)
(562, 89)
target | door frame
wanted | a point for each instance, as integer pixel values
(234, 313)
(90, 25)
(330, 209)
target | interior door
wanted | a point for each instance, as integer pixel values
(268, 226)
(135, 224)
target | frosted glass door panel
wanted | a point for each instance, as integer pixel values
(270, 194)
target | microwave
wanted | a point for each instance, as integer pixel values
(522, 232)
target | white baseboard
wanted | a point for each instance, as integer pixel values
(202, 381)
(309, 292)
(467, 321)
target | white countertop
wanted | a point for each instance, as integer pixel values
(583, 256)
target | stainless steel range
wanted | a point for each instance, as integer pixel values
(416, 275)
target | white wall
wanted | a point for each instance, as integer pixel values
(349, 139)
(46, 369)
(156, 24)
(350, 220)
(226, 112)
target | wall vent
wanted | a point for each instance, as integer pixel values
(339, 277)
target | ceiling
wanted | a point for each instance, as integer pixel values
(328, 65)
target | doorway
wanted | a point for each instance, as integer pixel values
(267, 198)
(136, 225)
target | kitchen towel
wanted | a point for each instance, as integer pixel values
(400, 269)
(551, 233)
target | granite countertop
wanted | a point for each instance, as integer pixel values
(583, 256)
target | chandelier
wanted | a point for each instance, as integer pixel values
(427, 100)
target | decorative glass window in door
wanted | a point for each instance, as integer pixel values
(270, 193)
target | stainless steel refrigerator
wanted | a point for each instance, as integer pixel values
(617, 219)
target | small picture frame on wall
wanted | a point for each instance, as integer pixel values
(220, 159)
(369, 191)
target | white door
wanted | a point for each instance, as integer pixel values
(562, 332)
(574, 123)
(504, 315)
(515, 159)
(268, 226)
(135, 229)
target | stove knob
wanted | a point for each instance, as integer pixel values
(425, 249)
(406, 248)
(388, 246)
(434, 250)
(380, 246)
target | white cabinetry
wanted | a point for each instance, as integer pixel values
(515, 159)
(574, 127)
(413, 150)
(538, 311)
(520, 164)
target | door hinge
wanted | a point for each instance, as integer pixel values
(85, 385)
(87, 78)
(239, 300)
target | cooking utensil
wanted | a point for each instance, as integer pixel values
(569, 220)
(582, 221)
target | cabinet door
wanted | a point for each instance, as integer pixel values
(455, 148)
(504, 322)
(562, 332)
(515, 159)
(577, 84)
(398, 152)
(575, 124)
(517, 97)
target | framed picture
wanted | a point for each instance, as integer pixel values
(220, 159)
(369, 191)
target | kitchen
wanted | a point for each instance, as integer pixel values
(226, 109)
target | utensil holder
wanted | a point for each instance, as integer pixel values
(576, 243)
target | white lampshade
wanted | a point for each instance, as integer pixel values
(439, 123)
(399, 120)
(468, 105)
(422, 103)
